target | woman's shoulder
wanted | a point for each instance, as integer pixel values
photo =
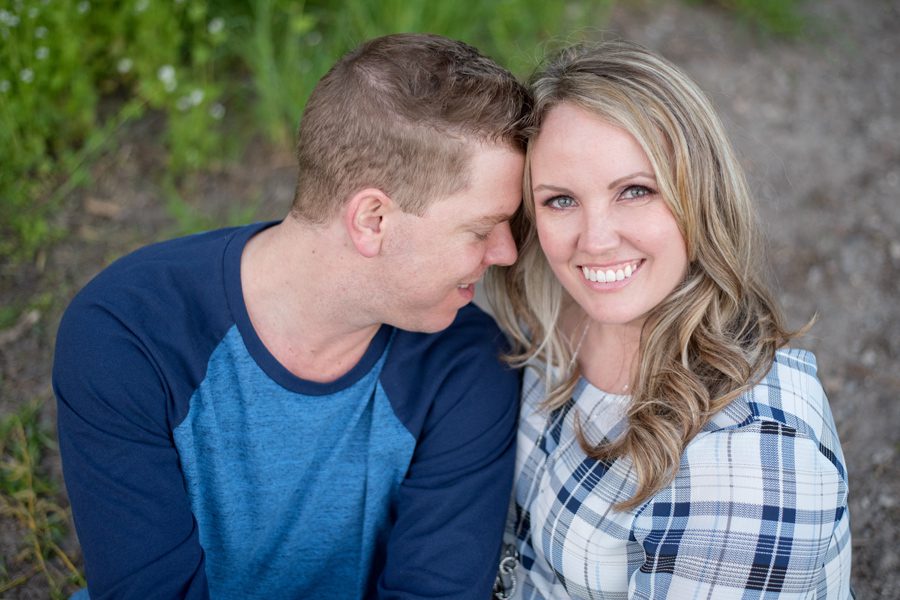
(789, 402)
(789, 393)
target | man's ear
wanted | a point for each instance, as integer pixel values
(364, 217)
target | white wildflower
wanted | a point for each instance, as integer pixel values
(216, 26)
(141, 5)
(217, 111)
(26, 75)
(166, 74)
(124, 65)
(41, 53)
(40, 33)
(4, 86)
(196, 97)
(8, 18)
(83, 7)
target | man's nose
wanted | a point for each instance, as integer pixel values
(502, 248)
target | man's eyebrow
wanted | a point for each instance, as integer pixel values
(490, 220)
(551, 188)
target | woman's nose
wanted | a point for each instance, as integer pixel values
(600, 232)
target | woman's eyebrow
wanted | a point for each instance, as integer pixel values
(627, 177)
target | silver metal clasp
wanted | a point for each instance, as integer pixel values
(505, 583)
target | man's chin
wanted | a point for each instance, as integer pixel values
(431, 323)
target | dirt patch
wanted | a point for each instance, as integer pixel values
(817, 124)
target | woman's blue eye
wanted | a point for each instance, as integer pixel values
(560, 202)
(636, 191)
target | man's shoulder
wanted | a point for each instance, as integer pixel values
(161, 274)
(458, 370)
(151, 320)
(162, 293)
(185, 253)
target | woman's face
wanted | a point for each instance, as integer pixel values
(606, 231)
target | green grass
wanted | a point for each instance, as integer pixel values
(28, 495)
(289, 46)
(783, 18)
(8, 316)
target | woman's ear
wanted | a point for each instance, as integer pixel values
(364, 219)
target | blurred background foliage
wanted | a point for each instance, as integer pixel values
(73, 72)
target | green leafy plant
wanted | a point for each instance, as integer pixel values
(59, 59)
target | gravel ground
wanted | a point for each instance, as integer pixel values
(817, 124)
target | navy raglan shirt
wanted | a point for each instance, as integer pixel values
(198, 466)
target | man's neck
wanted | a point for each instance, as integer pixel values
(298, 304)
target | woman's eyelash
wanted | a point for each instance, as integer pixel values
(629, 191)
(560, 201)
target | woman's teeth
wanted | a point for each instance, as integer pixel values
(609, 275)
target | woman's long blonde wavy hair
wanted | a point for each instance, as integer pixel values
(716, 334)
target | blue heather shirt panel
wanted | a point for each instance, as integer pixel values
(291, 491)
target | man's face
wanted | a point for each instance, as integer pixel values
(434, 260)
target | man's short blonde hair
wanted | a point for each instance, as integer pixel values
(399, 114)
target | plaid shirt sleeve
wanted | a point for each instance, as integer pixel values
(758, 508)
(752, 514)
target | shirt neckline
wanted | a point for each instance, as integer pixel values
(258, 351)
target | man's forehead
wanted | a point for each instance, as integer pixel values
(493, 189)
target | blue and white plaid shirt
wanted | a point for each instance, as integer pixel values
(758, 508)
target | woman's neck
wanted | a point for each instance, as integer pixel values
(607, 355)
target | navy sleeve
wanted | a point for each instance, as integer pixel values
(452, 505)
(129, 502)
